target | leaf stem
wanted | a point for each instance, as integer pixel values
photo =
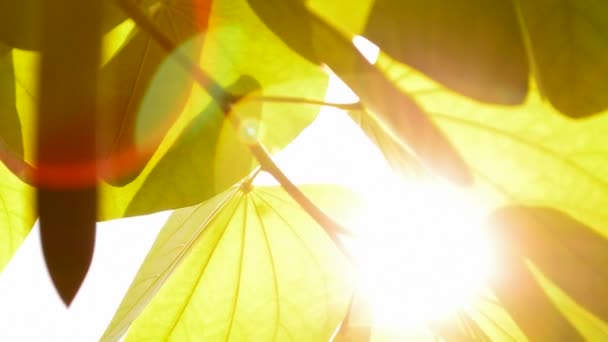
(297, 100)
(225, 100)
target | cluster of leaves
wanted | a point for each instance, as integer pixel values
(507, 97)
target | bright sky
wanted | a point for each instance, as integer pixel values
(438, 255)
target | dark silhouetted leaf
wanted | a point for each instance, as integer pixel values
(528, 304)
(569, 47)
(66, 137)
(569, 253)
(474, 47)
(319, 42)
(246, 265)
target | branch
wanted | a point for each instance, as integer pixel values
(225, 101)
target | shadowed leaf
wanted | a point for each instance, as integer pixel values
(400, 116)
(569, 47)
(569, 253)
(244, 265)
(21, 22)
(10, 124)
(472, 46)
(528, 304)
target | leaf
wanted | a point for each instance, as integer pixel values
(569, 253)
(210, 157)
(244, 265)
(528, 304)
(569, 46)
(526, 154)
(236, 44)
(10, 124)
(473, 47)
(66, 130)
(21, 22)
(319, 42)
(144, 83)
(17, 214)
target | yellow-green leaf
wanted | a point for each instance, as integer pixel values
(236, 44)
(245, 265)
(16, 214)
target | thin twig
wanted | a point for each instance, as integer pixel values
(225, 101)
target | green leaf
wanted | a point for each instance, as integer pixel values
(528, 304)
(321, 43)
(244, 265)
(209, 157)
(17, 214)
(569, 253)
(569, 46)
(10, 123)
(473, 47)
(144, 88)
(236, 44)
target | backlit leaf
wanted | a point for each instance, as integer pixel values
(16, 214)
(128, 94)
(209, 157)
(471, 46)
(245, 265)
(236, 44)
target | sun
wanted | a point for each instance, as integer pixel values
(420, 249)
(420, 252)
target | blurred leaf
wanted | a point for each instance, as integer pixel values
(10, 124)
(244, 265)
(319, 42)
(472, 46)
(143, 83)
(21, 22)
(209, 157)
(565, 250)
(236, 44)
(528, 304)
(569, 47)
